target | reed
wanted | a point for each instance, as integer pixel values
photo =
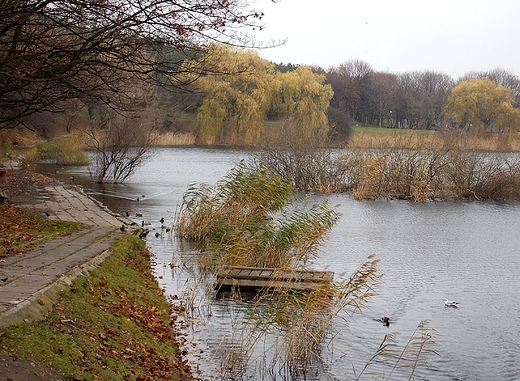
(295, 327)
(234, 221)
(233, 224)
(172, 139)
(421, 175)
(418, 347)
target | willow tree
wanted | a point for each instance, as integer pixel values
(236, 96)
(293, 147)
(301, 97)
(482, 106)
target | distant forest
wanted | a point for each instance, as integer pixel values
(179, 71)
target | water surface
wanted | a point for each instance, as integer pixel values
(467, 251)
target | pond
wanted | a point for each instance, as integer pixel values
(466, 251)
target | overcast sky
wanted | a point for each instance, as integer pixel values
(447, 36)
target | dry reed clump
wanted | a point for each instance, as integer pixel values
(234, 221)
(422, 175)
(433, 140)
(296, 325)
(401, 140)
(233, 224)
(173, 138)
(370, 185)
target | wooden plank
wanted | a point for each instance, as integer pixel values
(261, 283)
(254, 277)
(302, 275)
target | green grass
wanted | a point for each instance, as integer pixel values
(112, 325)
(65, 150)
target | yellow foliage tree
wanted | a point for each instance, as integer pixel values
(242, 87)
(301, 98)
(236, 96)
(482, 105)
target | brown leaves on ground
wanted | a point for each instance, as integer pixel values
(20, 228)
(154, 321)
(128, 292)
(20, 185)
(17, 230)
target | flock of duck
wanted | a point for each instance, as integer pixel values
(144, 231)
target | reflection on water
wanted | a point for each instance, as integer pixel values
(467, 252)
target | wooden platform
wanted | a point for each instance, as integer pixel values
(257, 278)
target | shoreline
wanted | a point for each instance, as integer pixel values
(37, 198)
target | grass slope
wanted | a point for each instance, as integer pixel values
(112, 325)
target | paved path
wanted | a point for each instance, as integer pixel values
(31, 283)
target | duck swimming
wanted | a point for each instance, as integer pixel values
(450, 303)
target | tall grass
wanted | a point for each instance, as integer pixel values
(285, 333)
(173, 138)
(234, 224)
(459, 140)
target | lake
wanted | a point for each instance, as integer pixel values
(465, 251)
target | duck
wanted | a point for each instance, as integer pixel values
(386, 320)
(122, 228)
(144, 233)
(450, 303)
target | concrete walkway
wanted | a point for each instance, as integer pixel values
(31, 283)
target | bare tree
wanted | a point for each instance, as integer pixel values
(422, 95)
(361, 74)
(383, 91)
(53, 51)
(118, 149)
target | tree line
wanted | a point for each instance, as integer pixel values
(248, 91)
(184, 66)
(424, 99)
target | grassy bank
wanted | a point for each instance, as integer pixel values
(112, 325)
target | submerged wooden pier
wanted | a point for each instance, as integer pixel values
(258, 278)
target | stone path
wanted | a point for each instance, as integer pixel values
(31, 283)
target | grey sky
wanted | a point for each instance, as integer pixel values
(448, 36)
